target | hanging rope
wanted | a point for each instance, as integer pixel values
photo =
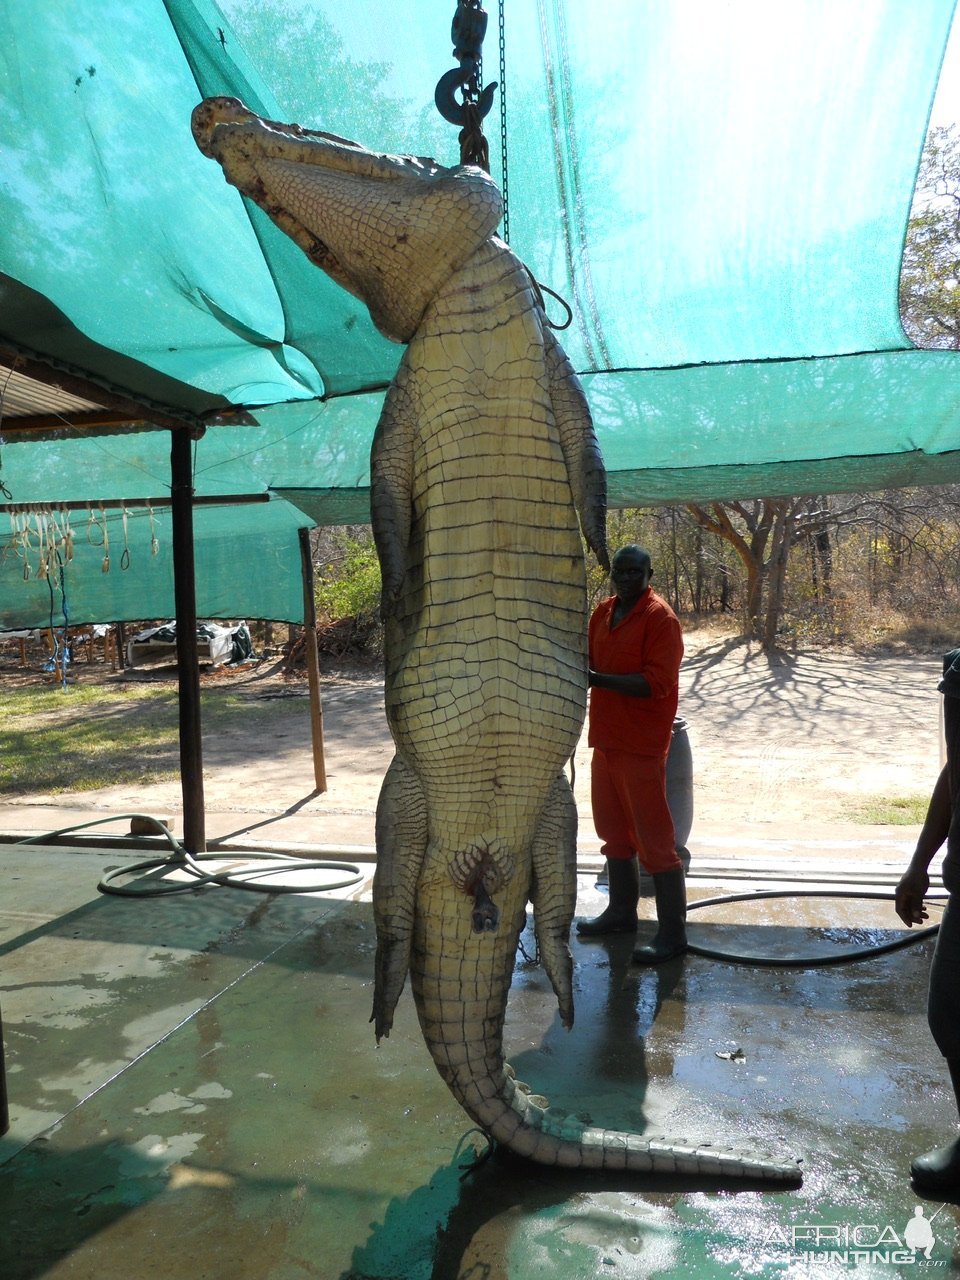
(125, 556)
(67, 534)
(50, 526)
(105, 565)
(59, 636)
(92, 528)
(43, 544)
(4, 491)
(20, 534)
(540, 290)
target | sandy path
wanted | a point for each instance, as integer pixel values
(783, 751)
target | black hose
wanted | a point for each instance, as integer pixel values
(179, 859)
(244, 878)
(811, 962)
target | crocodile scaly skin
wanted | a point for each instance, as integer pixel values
(484, 470)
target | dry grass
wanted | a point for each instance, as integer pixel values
(889, 632)
(84, 737)
(890, 811)
(851, 623)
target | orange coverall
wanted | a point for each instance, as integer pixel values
(631, 736)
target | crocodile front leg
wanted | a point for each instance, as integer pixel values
(391, 485)
(578, 442)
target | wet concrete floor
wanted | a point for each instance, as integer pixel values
(195, 1092)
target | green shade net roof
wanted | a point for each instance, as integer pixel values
(720, 192)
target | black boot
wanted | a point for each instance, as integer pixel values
(670, 939)
(621, 915)
(939, 1170)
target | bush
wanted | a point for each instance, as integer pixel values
(347, 592)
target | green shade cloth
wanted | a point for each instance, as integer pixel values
(720, 191)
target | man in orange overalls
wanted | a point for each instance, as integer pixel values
(635, 652)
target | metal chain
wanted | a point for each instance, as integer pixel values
(474, 148)
(467, 32)
(503, 127)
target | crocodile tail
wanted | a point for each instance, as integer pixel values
(460, 981)
(483, 1084)
(514, 1119)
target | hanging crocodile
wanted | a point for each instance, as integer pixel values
(482, 462)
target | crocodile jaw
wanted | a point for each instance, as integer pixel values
(388, 229)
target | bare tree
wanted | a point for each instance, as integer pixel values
(930, 272)
(763, 531)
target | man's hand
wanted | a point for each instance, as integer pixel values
(633, 684)
(909, 894)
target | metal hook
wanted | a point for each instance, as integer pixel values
(446, 101)
(467, 31)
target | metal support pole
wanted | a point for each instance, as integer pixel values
(312, 657)
(4, 1107)
(188, 663)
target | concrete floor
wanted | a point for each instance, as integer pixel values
(195, 1092)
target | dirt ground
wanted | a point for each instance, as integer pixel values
(784, 751)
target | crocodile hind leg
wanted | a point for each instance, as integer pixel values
(401, 834)
(554, 890)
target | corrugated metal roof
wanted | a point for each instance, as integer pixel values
(24, 397)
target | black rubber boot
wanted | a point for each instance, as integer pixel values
(939, 1170)
(621, 915)
(670, 940)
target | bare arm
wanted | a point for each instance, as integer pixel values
(634, 684)
(915, 881)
